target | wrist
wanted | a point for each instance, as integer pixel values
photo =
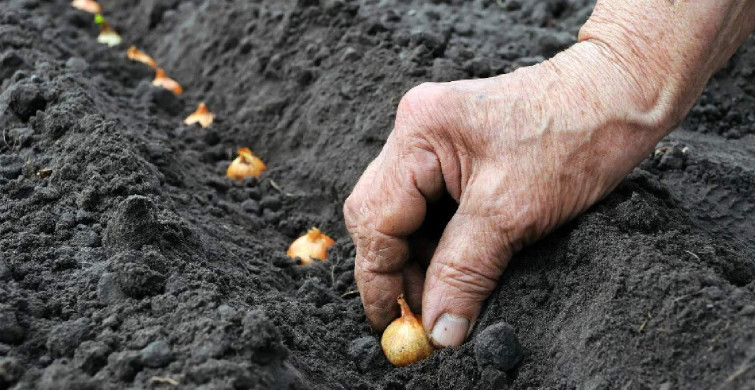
(606, 92)
(669, 49)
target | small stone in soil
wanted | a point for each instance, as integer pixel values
(497, 346)
(157, 354)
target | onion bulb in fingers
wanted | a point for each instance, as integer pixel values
(404, 340)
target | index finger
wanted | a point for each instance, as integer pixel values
(387, 204)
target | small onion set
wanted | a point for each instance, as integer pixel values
(162, 80)
(404, 341)
(137, 55)
(107, 36)
(245, 165)
(310, 247)
(202, 115)
(90, 6)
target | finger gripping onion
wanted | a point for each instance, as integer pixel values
(245, 165)
(311, 246)
(404, 341)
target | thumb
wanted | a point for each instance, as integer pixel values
(471, 255)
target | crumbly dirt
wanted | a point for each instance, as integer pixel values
(136, 264)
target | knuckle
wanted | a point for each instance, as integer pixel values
(418, 102)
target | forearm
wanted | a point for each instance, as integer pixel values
(638, 68)
(669, 48)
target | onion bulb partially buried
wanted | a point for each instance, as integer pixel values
(310, 247)
(404, 340)
(107, 36)
(202, 115)
(162, 80)
(137, 55)
(90, 6)
(245, 165)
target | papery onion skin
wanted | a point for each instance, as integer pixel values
(404, 341)
(107, 36)
(162, 80)
(202, 115)
(310, 247)
(245, 165)
(137, 55)
(110, 38)
(87, 5)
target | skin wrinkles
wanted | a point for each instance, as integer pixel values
(525, 152)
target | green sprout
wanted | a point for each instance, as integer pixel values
(99, 19)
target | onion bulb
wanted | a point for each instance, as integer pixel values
(202, 115)
(137, 55)
(90, 6)
(404, 340)
(107, 36)
(245, 165)
(311, 246)
(162, 80)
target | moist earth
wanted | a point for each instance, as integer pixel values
(134, 262)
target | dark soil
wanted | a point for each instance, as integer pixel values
(136, 258)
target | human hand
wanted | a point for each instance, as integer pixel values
(521, 154)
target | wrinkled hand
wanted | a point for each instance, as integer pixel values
(520, 154)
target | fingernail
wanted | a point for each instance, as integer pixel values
(449, 331)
